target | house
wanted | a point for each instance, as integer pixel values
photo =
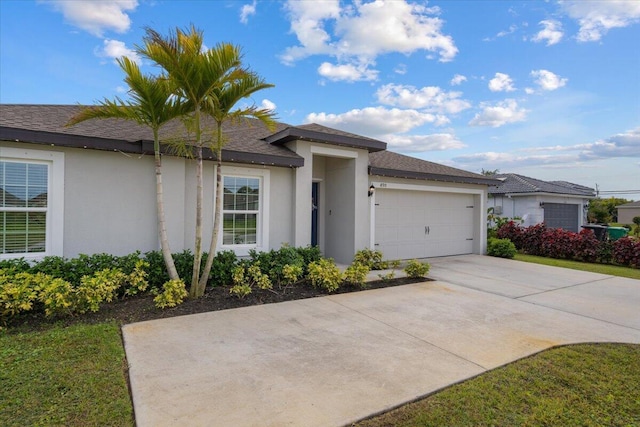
(95, 189)
(627, 212)
(559, 204)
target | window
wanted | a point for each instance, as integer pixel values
(30, 218)
(245, 209)
(241, 210)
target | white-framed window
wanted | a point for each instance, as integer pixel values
(245, 209)
(31, 203)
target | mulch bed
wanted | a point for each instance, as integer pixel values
(141, 308)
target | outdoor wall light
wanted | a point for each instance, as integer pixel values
(372, 190)
(542, 204)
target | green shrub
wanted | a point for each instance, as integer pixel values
(15, 265)
(247, 276)
(371, 258)
(173, 293)
(325, 274)
(98, 288)
(273, 262)
(309, 254)
(18, 292)
(416, 269)
(222, 267)
(136, 281)
(57, 295)
(502, 248)
(291, 273)
(356, 274)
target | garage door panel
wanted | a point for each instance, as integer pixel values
(418, 224)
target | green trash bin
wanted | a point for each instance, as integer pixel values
(616, 233)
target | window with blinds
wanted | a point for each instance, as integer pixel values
(24, 203)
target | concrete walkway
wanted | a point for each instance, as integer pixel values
(333, 360)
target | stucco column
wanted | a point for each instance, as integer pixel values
(302, 195)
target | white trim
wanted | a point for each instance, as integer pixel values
(263, 216)
(333, 152)
(55, 197)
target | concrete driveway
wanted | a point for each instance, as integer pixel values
(333, 360)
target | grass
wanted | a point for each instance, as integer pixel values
(612, 270)
(578, 385)
(67, 376)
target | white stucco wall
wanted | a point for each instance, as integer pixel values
(110, 201)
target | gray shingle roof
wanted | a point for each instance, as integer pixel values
(42, 123)
(248, 141)
(388, 163)
(630, 205)
(512, 183)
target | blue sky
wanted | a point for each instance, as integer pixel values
(546, 89)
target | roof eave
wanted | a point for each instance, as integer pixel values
(395, 173)
(541, 193)
(293, 133)
(137, 147)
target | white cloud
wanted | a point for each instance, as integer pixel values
(422, 143)
(347, 72)
(500, 114)
(596, 18)
(429, 98)
(622, 145)
(551, 32)
(501, 83)
(267, 104)
(374, 121)
(96, 17)
(400, 69)
(246, 11)
(458, 79)
(116, 49)
(529, 90)
(548, 80)
(360, 32)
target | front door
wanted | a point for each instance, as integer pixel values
(315, 199)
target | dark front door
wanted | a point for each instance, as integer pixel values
(315, 199)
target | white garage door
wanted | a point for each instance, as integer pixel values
(420, 224)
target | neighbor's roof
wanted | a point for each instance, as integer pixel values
(248, 141)
(512, 183)
(390, 164)
(630, 205)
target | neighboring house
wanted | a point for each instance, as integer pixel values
(559, 204)
(90, 188)
(627, 212)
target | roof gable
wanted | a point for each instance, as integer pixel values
(318, 133)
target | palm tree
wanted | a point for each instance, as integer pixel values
(152, 104)
(210, 82)
(240, 83)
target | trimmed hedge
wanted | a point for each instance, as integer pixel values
(563, 244)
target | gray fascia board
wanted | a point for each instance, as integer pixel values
(538, 193)
(292, 133)
(137, 147)
(393, 173)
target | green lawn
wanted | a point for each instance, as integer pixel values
(66, 376)
(578, 385)
(612, 270)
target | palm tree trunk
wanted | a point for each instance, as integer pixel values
(216, 218)
(162, 229)
(194, 291)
